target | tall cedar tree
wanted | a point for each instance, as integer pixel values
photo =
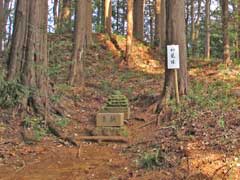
(107, 16)
(55, 13)
(207, 30)
(238, 54)
(192, 27)
(82, 38)
(28, 60)
(160, 24)
(138, 19)
(4, 14)
(129, 32)
(225, 26)
(157, 22)
(1, 25)
(175, 34)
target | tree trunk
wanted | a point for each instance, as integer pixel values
(8, 20)
(98, 4)
(197, 28)
(66, 16)
(157, 22)
(187, 22)
(175, 34)
(6, 13)
(226, 46)
(163, 25)
(1, 25)
(80, 41)
(151, 20)
(207, 30)
(235, 24)
(102, 15)
(192, 28)
(123, 20)
(138, 19)
(160, 24)
(88, 18)
(108, 16)
(55, 14)
(238, 51)
(117, 16)
(28, 54)
(129, 32)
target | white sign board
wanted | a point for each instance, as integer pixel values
(173, 56)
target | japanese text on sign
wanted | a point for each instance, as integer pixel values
(173, 56)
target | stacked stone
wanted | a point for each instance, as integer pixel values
(114, 112)
(117, 103)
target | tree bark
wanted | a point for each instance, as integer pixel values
(160, 24)
(138, 19)
(207, 30)
(82, 39)
(175, 34)
(197, 28)
(28, 54)
(117, 16)
(226, 46)
(108, 16)
(238, 34)
(1, 25)
(188, 3)
(157, 22)
(102, 15)
(129, 32)
(192, 28)
(88, 18)
(163, 25)
(175, 10)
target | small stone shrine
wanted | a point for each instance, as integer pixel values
(110, 119)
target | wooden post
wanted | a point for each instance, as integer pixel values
(174, 63)
(176, 86)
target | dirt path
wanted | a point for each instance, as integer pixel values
(95, 162)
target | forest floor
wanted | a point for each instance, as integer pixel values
(201, 141)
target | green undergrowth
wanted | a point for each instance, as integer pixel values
(127, 82)
(60, 51)
(152, 159)
(62, 121)
(214, 97)
(37, 125)
(11, 93)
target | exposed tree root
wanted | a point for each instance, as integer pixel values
(115, 43)
(103, 138)
(54, 130)
(144, 100)
(219, 169)
(35, 107)
(164, 115)
(147, 124)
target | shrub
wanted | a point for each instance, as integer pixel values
(11, 93)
